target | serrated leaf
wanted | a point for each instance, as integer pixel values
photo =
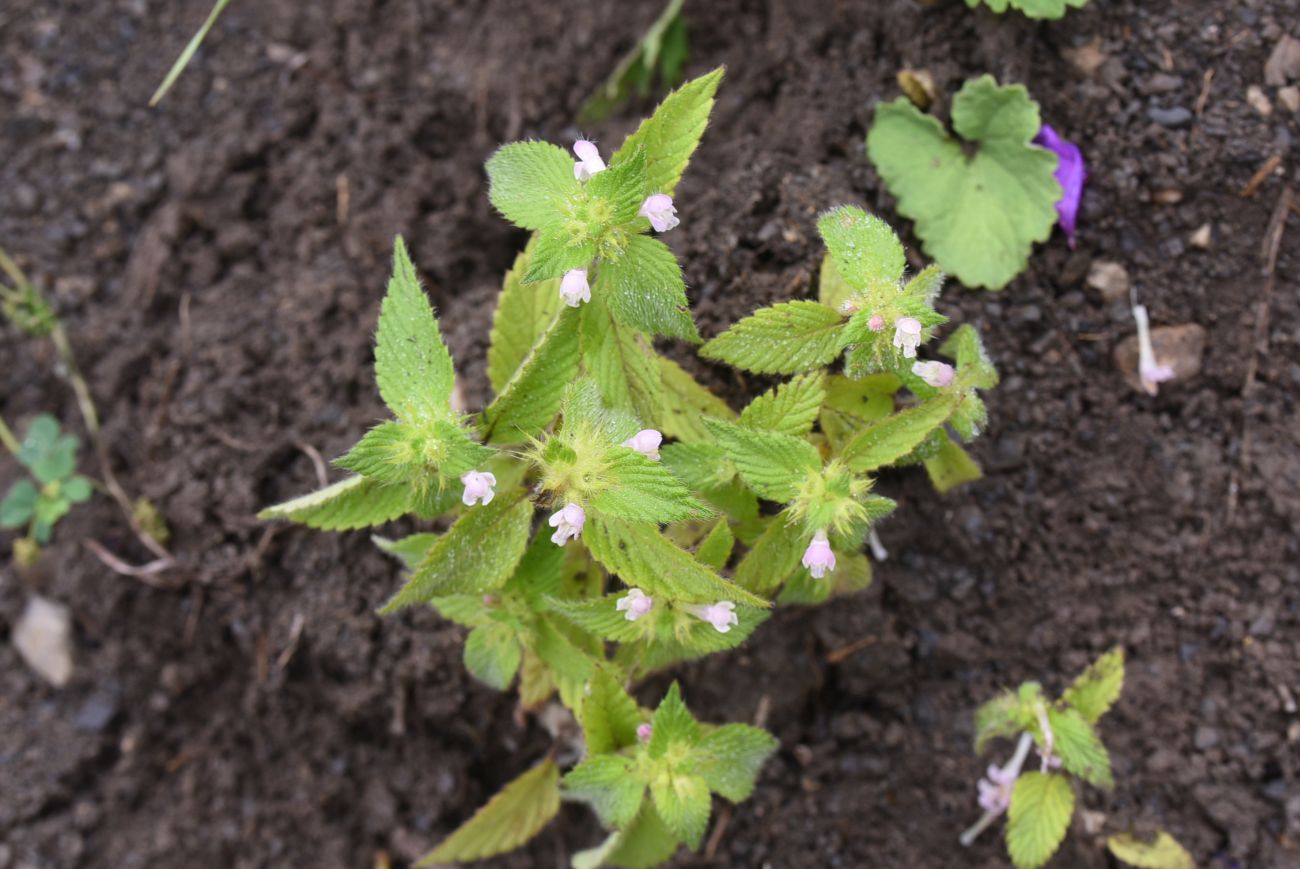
(951, 466)
(645, 291)
(789, 408)
(881, 443)
(571, 666)
(774, 465)
(476, 555)
(1041, 808)
(671, 134)
(467, 610)
(684, 402)
(868, 398)
(729, 758)
(529, 183)
(523, 313)
(19, 504)
(410, 550)
(1075, 742)
(643, 558)
(682, 636)
(601, 617)
(608, 714)
(673, 724)
(352, 503)
(622, 187)
(541, 570)
(556, 253)
(774, 555)
(605, 782)
(531, 400)
(642, 490)
(1031, 8)
(492, 654)
(1098, 687)
(715, 548)
(622, 363)
(784, 339)
(1003, 716)
(979, 216)
(1163, 852)
(965, 346)
(832, 290)
(646, 843)
(682, 800)
(509, 819)
(865, 249)
(412, 366)
(704, 468)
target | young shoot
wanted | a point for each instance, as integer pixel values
(39, 500)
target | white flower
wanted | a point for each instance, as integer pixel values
(567, 522)
(478, 487)
(646, 442)
(721, 615)
(1150, 372)
(634, 604)
(658, 207)
(589, 162)
(937, 374)
(907, 336)
(574, 288)
(818, 557)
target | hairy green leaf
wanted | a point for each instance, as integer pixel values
(608, 714)
(1041, 808)
(352, 503)
(1097, 689)
(523, 313)
(531, 399)
(774, 465)
(1031, 8)
(881, 443)
(412, 366)
(476, 555)
(715, 548)
(492, 654)
(774, 555)
(671, 134)
(642, 490)
(965, 346)
(644, 290)
(685, 402)
(789, 408)
(1081, 752)
(729, 759)
(832, 290)
(682, 800)
(1003, 716)
(509, 819)
(979, 216)
(951, 466)
(50, 455)
(556, 253)
(646, 843)
(865, 249)
(530, 182)
(607, 784)
(621, 362)
(784, 339)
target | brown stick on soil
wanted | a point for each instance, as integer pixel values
(1261, 175)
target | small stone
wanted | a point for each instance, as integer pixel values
(1203, 237)
(1259, 100)
(98, 710)
(1109, 278)
(1087, 58)
(1175, 117)
(1289, 98)
(1283, 63)
(44, 639)
(1167, 196)
(1161, 83)
(1180, 347)
(1206, 738)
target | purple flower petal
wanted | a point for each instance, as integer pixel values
(1070, 174)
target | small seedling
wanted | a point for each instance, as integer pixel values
(1031, 8)
(1040, 803)
(54, 486)
(661, 50)
(977, 214)
(604, 517)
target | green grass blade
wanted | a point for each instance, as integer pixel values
(184, 60)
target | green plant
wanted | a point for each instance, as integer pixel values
(187, 54)
(605, 508)
(1031, 8)
(661, 49)
(978, 214)
(41, 500)
(1040, 804)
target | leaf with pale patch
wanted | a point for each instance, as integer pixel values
(729, 758)
(1162, 852)
(352, 503)
(685, 402)
(509, 819)
(774, 465)
(644, 289)
(530, 182)
(1041, 807)
(885, 441)
(523, 313)
(789, 408)
(865, 249)
(1098, 687)
(671, 134)
(531, 400)
(492, 654)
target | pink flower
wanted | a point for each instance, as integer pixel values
(644, 732)
(634, 604)
(589, 162)
(659, 208)
(907, 336)
(721, 615)
(567, 523)
(646, 442)
(574, 288)
(478, 487)
(818, 557)
(995, 790)
(936, 374)
(1150, 372)
(876, 323)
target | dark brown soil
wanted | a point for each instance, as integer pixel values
(223, 307)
